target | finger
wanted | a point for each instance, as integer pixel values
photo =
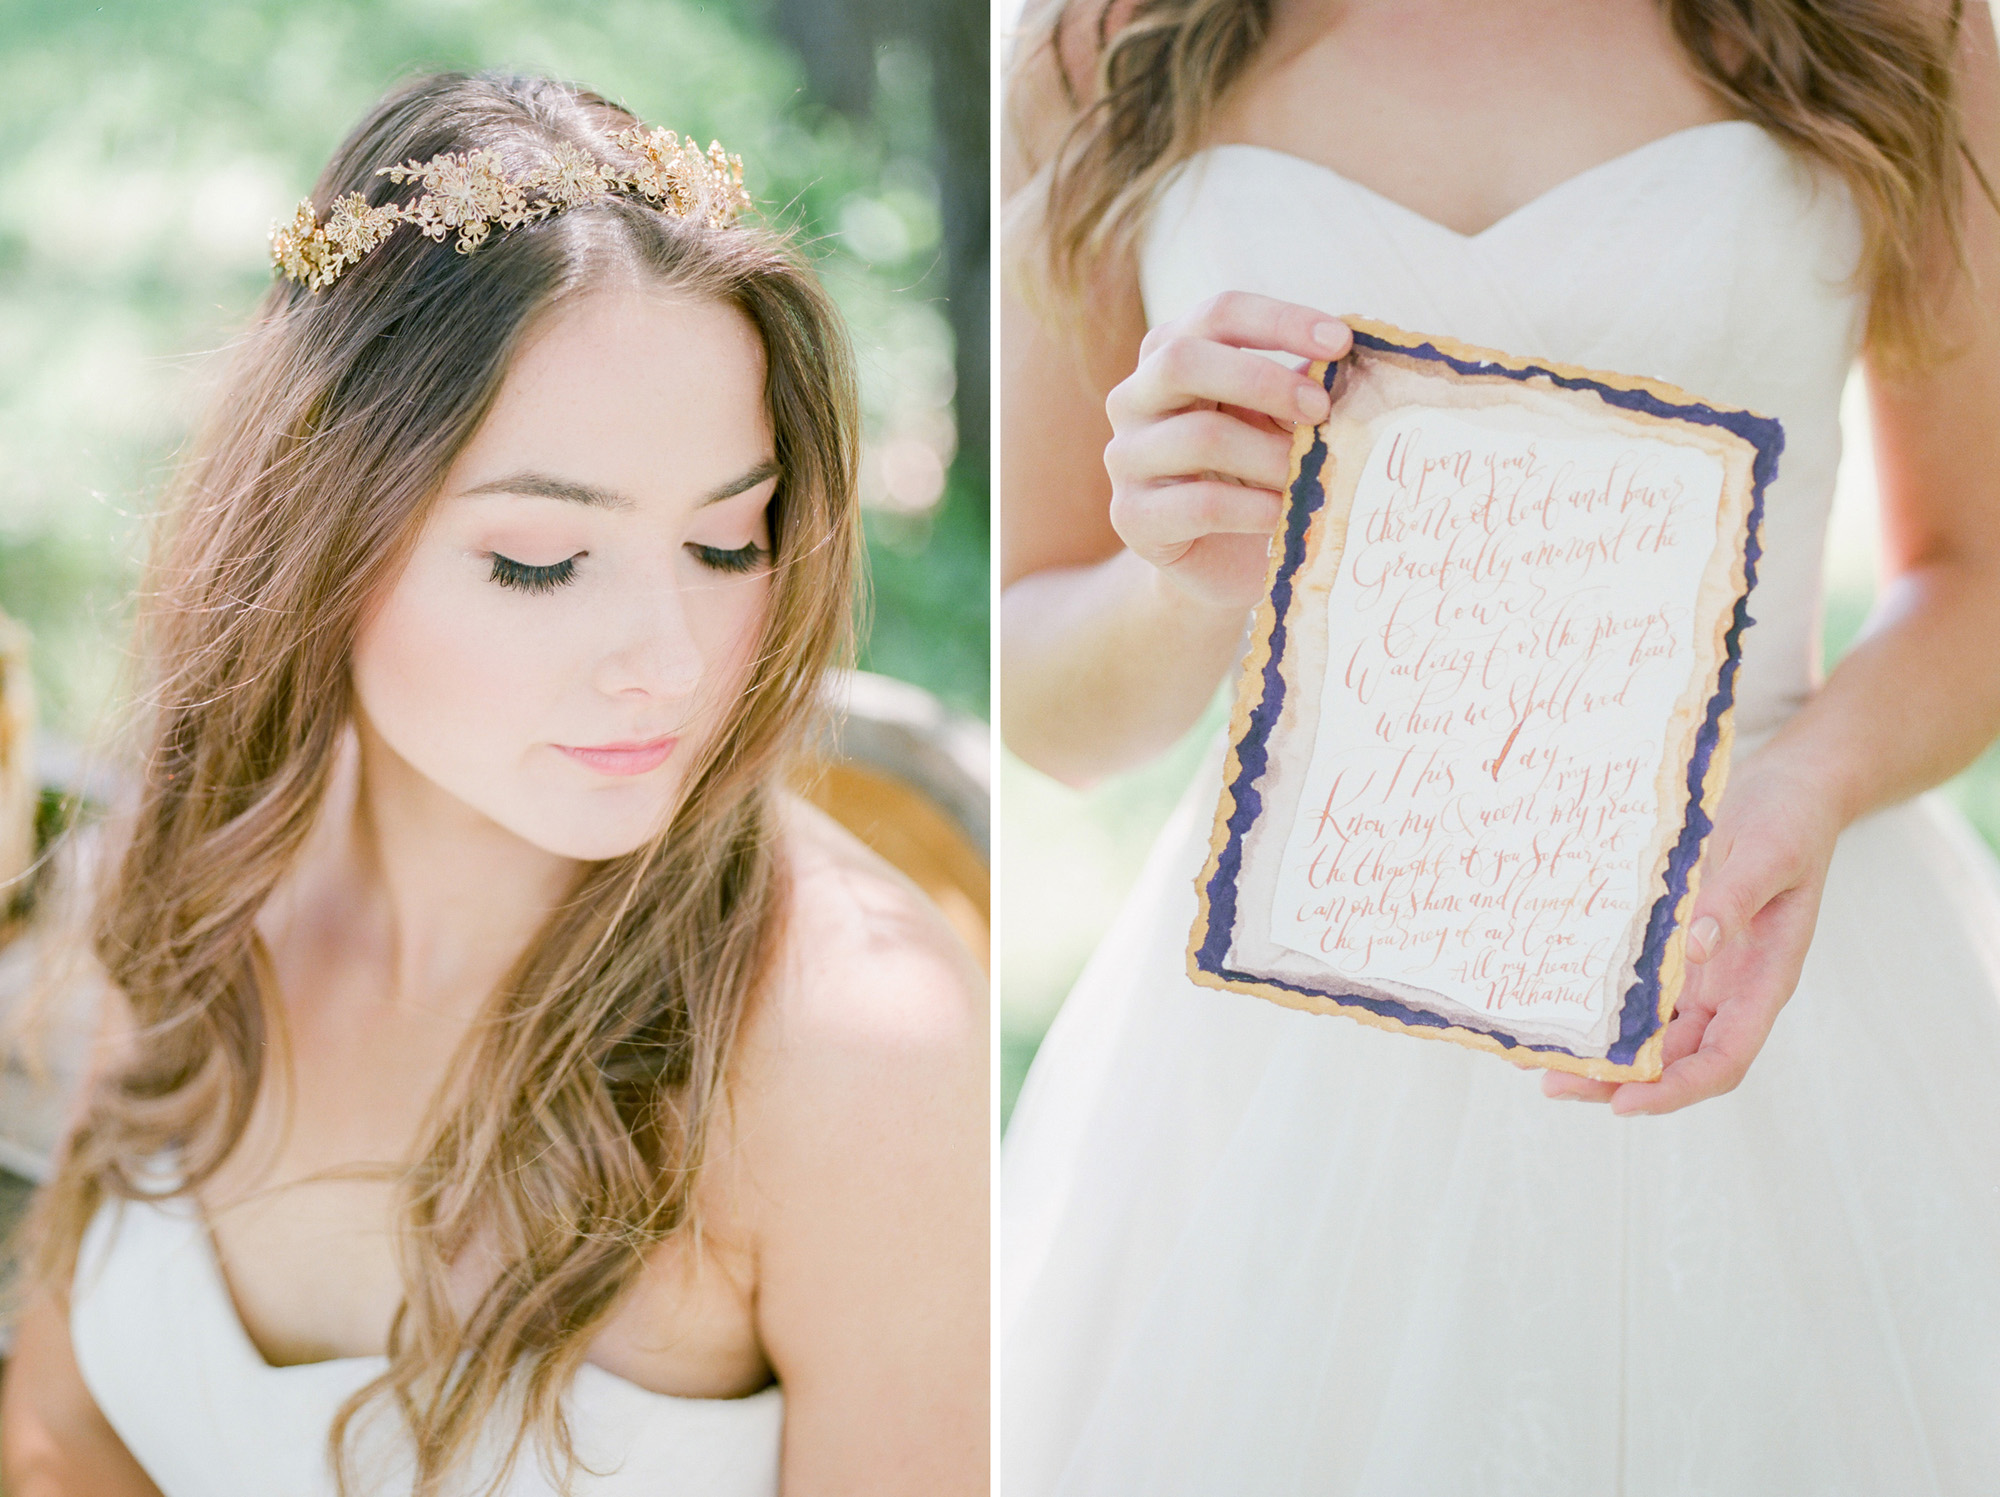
(1721, 1062)
(1682, 1037)
(1199, 444)
(1754, 872)
(1562, 1087)
(1692, 1011)
(1683, 1033)
(1738, 1001)
(1223, 570)
(1734, 1035)
(1258, 421)
(1159, 521)
(1184, 371)
(1247, 320)
(1709, 1072)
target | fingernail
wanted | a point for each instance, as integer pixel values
(1331, 337)
(1703, 935)
(1312, 403)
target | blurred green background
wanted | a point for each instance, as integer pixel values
(146, 146)
(1069, 857)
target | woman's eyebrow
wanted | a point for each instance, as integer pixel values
(764, 470)
(542, 486)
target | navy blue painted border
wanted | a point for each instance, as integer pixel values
(1639, 1016)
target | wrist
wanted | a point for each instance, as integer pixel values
(1191, 614)
(1807, 766)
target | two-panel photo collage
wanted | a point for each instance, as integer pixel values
(999, 748)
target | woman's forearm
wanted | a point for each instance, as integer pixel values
(35, 1461)
(1106, 663)
(54, 1442)
(36, 1468)
(1915, 700)
(1104, 666)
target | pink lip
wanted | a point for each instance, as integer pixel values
(623, 758)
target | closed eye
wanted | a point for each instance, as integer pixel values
(742, 559)
(510, 573)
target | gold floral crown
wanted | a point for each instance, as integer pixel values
(470, 193)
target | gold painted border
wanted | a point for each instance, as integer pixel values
(1737, 499)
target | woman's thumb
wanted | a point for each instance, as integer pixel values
(1730, 895)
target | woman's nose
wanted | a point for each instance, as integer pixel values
(653, 651)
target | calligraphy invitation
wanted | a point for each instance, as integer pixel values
(1485, 717)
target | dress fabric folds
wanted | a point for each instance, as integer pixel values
(1264, 1253)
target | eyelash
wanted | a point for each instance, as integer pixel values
(743, 559)
(515, 574)
(510, 573)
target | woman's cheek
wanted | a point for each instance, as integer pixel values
(731, 631)
(472, 684)
(450, 675)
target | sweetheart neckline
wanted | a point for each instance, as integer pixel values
(209, 1261)
(1588, 174)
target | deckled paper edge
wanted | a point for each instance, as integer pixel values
(1708, 767)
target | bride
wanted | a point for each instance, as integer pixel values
(1259, 1251)
(510, 1085)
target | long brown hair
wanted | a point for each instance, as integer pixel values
(573, 1136)
(1864, 86)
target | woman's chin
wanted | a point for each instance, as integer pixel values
(599, 829)
(591, 843)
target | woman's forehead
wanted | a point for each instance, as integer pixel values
(634, 393)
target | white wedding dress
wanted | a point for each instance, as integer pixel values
(160, 1346)
(1249, 1252)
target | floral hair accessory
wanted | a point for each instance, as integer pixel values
(470, 193)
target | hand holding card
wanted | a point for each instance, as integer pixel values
(1485, 719)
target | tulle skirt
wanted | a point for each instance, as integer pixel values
(1253, 1251)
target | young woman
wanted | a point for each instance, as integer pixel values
(510, 1085)
(1253, 1250)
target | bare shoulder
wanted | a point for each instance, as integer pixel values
(868, 970)
(864, 1057)
(859, 1125)
(871, 1025)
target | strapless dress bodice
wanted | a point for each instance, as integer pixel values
(165, 1355)
(1712, 258)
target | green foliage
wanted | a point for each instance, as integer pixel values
(930, 596)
